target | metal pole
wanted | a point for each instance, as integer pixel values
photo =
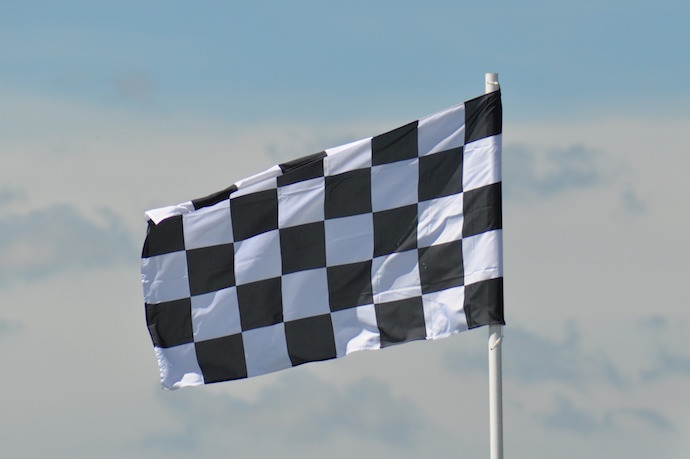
(495, 344)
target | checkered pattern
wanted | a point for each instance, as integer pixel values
(378, 242)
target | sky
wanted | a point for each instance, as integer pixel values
(109, 109)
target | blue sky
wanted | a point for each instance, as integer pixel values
(270, 59)
(109, 109)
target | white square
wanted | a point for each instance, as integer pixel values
(348, 157)
(442, 131)
(258, 258)
(160, 214)
(208, 226)
(444, 312)
(179, 366)
(165, 278)
(349, 239)
(216, 314)
(265, 350)
(481, 163)
(395, 277)
(305, 294)
(266, 180)
(440, 220)
(394, 185)
(355, 329)
(483, 256)
(301, 202)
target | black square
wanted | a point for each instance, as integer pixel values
(165, 237)
(483, 117)
(395, 230)
(260, 303)
(211, 268)
(222, 359)
(349, 285)
(214, 198)
(301, 169)
(303, 247)
(401, 321)
(441, 266)
(348, 193)
(396, 145)
(484, 303)
(310, 339)
(482, 210)
(170, 322)
(440, 174)
(254, 214)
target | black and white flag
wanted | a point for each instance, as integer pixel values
(385, 240)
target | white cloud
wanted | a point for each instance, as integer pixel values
(597, 240)
(58, 238)
(529, 173)
(10, 196)
(8, 327)
(299, 417)
(532, 359)
(91, 156)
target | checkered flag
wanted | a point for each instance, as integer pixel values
(385, 240)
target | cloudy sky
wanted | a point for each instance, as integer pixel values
(108, 109)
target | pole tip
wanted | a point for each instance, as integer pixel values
(491, 82)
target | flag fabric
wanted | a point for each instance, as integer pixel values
(389, 239)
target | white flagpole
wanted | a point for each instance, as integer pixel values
(495, 364)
